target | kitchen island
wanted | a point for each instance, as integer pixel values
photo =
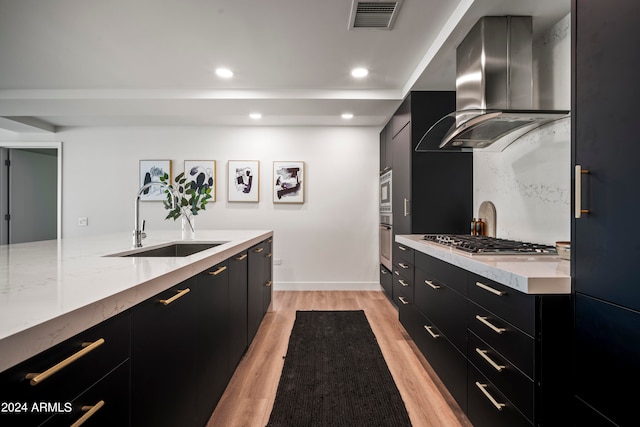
(53, 290)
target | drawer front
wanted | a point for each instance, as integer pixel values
(449, 363)
(518, 388)
(91, 355)
(402, 253)
(404, 269)
(402, 289)
(607, 358)
(513, 306)
(452, 276)
(511, 343)
(444, 306)
(386, 280)
(488, 407)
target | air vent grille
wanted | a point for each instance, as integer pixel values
(373, 14)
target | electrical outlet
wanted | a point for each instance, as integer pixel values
(277, 261)
(83, 221)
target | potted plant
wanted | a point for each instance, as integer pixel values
(190, 198)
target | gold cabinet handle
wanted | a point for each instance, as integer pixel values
(433, 285)
(89, 411)
(402, 248)
(269, 255)
(241, 257)
(383, 271)
(269, 283)
(578, 192)
(403, 301)
(483, 354)
(181, 293)
(406, 210)
(270, 240)
(433, 334)
(403, 283)
(490, 289)
(37, 377)
(490, 325)
(403, 265)
(258, 250)
(218, 271)
(483, 389)
(396, 272)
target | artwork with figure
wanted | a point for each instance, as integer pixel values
(243, 181)
(201, 174)
(288, 181)
(151, 171)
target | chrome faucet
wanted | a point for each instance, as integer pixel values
(139, 234)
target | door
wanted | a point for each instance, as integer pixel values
(29, 195)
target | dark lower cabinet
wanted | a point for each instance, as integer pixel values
(259, 283)
(238, 340)
(212, 338)
(386, 281)
(163, 358)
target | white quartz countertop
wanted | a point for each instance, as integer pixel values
(52, 290)
(531, 274)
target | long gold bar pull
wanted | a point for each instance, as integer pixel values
(483, 354)
(241, 257)
(181, 293)
(578, 192)
(490, 325)
(89, 411)
(258, 250)
(218, 271)
(483, 389)
(269, 283)
(37, 377)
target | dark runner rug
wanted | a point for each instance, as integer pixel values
(334, 374)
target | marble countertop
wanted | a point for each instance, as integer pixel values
(52, 290)
(531, 274)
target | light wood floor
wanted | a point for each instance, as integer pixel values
(249, 396)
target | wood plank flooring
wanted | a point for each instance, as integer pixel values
(248, 399)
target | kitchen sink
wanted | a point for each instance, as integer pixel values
(171, 250)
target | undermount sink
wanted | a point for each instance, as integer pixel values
(171, 250)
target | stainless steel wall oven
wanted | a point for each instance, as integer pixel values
(386, 221)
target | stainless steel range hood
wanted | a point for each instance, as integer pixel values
(494, 89)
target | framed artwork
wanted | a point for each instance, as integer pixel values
(151, 171)
(288, 182)
(203, 173)
(243, 181)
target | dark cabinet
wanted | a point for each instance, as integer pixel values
(163, 358)
(212, 338)
(259, 284)
(386, 149)
(238, 340)
(603, 264)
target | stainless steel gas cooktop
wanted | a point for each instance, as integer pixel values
(484, 245)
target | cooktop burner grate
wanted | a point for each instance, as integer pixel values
(489, 245)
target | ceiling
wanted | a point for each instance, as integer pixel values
(66, 63)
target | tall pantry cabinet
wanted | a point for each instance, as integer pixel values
(605, 248)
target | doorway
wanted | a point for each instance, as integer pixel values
(29, 192)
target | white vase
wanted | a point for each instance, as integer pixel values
(188, 227)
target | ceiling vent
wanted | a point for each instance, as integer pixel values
(374, 14)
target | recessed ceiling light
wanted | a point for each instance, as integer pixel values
(359, 73)
(255, 116)
(225, 73)
(347, 116)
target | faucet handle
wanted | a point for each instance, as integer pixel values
(143, 223)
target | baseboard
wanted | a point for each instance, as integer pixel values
(327, 286)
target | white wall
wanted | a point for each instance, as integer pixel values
(329, 242)
(530, 182)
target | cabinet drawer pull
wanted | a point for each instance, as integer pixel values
(269, 255)
(383, 271)
(483, 354)
(402, 248)
(403, 283)
(241, 257)
(433, 334)
(483, 389)
(489, 324)
(258, 250)
(270, 240)
(89, 411)
(490, 289)
(396, 272)
(181, 293)
(578, 192)
(218, 271)
(406, 210)
(269, 283)
(433, 285)
(37, 377)
(403, 301)
(403, 265)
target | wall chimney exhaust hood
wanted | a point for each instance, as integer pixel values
(494, 89)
